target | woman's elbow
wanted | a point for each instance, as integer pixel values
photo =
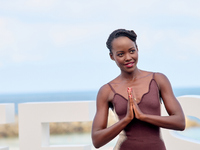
(96, 146)
(181, 125)
(96, 143)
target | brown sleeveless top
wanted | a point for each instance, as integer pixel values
(139, 135)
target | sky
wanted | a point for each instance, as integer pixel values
(59, 45)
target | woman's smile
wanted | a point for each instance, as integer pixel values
(129, 64)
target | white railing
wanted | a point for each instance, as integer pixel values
(34, 119)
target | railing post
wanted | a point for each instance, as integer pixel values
(7, 115)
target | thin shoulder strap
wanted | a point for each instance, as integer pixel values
(154, 75)
(111, 88)
(158, 89)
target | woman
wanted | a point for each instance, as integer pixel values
(135, 97)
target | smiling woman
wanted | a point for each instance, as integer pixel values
(135, 97)
(118, 45)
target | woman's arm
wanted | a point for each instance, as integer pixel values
(176, 118)
(100, 133)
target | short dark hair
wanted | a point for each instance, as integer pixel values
(120, 32)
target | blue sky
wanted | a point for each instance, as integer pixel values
(58, 45)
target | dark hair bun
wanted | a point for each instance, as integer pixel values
(120, 32)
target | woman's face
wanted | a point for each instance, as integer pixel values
(124, 53)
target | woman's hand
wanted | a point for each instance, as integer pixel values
(130, 113)
(137, 112)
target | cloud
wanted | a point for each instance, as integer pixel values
(180, 42)
(6, 35)
(187, 44)
(1, 64)
(64, 34)
(25, 58)
(34, 29)
(27, 6)
(185, 8)
(23, 42)
(77, 9)
(15, 44)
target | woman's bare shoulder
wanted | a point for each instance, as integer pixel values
(104, 92)
(159, 76)
(161, 79)
(105, 88)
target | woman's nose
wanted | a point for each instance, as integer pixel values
(128, 57)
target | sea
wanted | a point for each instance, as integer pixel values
(191, 134)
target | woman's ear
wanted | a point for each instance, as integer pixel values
(111, 56)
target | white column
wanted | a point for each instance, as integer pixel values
(7, 115)
(34, 121)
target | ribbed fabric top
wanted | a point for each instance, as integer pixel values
(140, 135)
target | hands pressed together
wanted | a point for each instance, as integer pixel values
(133, 111)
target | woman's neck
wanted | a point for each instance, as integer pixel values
(130, 76)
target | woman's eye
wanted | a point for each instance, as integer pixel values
(120, 54)
(132, 51)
